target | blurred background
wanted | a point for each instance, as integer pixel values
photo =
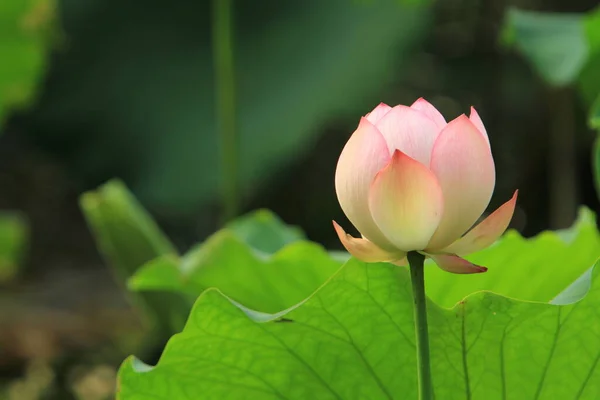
(96, 89)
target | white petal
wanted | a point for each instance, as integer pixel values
(363, 156)
(406, 202)
(476, 120)
(464, 167)
(409, 131)
(486, 232)
(430, 111)
(378, 112)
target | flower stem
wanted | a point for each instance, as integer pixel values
(417, 279)
(225, 105)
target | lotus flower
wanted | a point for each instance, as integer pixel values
(409, 181)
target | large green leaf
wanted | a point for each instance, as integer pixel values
(354, 339)
(24, 25)
(546, 264)
(298, 65)
(558, 46)
(269, 283)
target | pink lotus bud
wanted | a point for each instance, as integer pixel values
(409, 181)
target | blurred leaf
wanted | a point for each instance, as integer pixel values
(354, 339)
(126, 233)
(596, 165)
(259, 280)
(24, 25)
(264, 231)
(595, 114)
(594, 122)
(535, 269)
(555, 44)
(299, 65)
(588, 84)
(592, 28)
(14, 234)
(589, 80)
(128, 237)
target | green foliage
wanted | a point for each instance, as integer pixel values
(354, 339)
(259, 281)
(126, 233)
(589, 80)
(257, 260)
(14, 234)
(264, 231)
(575, 291)
(558, 46)
(594, 119)
(545, 265)
(555, 44)
(594, 122)
(347, 332)
(128, 237)
(596, 165)
(298, 64)
(24, 28)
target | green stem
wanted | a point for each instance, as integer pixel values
(417, 279)
(225, 104)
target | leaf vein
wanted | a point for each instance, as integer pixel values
(360, 354)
